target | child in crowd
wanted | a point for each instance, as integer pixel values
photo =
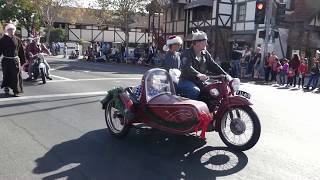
(276, 66)
(303, 70)
(314, 75)
(284, 72)
(290, 76)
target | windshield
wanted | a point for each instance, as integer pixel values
(158, 82)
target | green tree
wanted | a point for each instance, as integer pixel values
(22, 11)
(49, 12)
(56, 35)
(1, 29)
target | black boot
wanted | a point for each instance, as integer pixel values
(6, 90)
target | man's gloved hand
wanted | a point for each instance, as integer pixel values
(202, 77)
(229, 78)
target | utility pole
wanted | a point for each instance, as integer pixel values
(268, 25)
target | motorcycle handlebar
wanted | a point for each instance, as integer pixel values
(218, 77)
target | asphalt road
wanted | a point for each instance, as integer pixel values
(58, 131)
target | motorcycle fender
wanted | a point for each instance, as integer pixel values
(42, 66)
(227, 103)
(105, 101)
(235, 101)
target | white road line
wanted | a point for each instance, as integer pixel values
(59, 77)
(52, 96)
(93, 79)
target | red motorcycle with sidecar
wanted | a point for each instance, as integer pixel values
(221, 107)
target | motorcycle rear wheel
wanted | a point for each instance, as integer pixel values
(116, 123)
(231, 133)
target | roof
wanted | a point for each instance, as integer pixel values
(86, 16)
(76, 15)
(199, 3)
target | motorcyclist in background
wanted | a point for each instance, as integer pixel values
(33, 49)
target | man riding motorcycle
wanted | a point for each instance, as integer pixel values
(33, 49)
(195, 63)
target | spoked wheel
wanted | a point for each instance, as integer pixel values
(117, 123)
(240, 128)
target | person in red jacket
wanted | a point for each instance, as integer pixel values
(302, 70)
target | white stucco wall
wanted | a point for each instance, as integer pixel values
(250, 15)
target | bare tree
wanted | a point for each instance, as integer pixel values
(49, 11)
(121, 13)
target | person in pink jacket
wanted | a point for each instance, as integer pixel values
(284, 72)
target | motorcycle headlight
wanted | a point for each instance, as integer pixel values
(214, 92)
(235, 84)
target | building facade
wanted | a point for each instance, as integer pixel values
(300, 27)
(85, 26)
(229, 21)
(212, 16)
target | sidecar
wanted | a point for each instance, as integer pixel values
(158, 106)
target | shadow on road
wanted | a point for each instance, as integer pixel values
(48, 109)
(147, 155)
(15, 104)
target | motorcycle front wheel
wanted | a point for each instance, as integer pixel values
(117, 123)
(43, 76)
(240, 128)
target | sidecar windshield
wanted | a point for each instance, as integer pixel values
(157, 82)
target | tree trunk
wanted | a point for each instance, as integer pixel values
(29, 32)
(49, 27)
(127, 35)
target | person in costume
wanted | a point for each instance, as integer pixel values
(196, 62)
(172, 58)
(11, 48)
(33, 49)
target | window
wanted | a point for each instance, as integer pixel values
(181, 13)
(289, 4)
(168, 15)
(158, 82)
(201, 13)
(241, 13)
(78, 26)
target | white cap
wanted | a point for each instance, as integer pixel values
(318, 52)
(172, 40)
(10, 26)
(199, 35)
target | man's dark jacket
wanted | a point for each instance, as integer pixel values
(191, 67)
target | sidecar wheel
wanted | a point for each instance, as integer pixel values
(117, 124)
(240, 128)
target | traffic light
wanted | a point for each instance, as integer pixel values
(260, 11)
(281, 12)
(262, 34)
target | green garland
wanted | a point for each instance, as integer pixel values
(113, 95)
